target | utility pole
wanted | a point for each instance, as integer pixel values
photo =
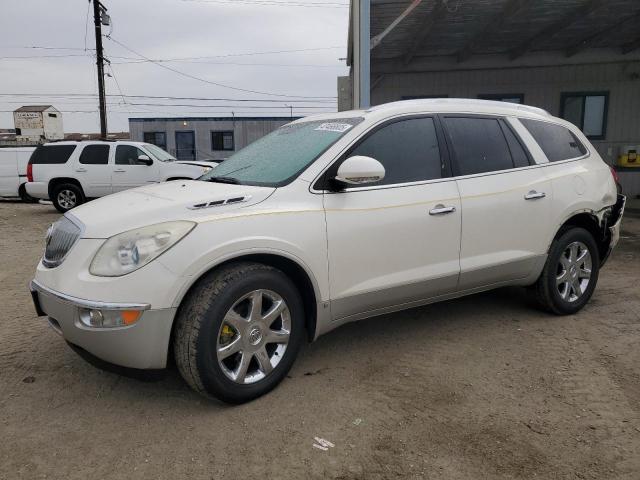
(98, 9)
(290, 111)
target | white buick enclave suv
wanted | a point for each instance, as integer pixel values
(328, 220)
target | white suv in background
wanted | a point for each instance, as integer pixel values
(70, 173)
(327, 220)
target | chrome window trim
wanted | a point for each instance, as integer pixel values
(34, 286)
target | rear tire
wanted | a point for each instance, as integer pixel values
(24, 196)
(570, 273)
(238, 332)
(67, 196)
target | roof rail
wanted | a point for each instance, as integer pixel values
(465, 102)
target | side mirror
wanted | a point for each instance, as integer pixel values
(145, 160)
(360, 170)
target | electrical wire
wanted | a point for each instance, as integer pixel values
(273, 3)
(162, 97)
(222, 85)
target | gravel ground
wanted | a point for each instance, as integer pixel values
(481, 387)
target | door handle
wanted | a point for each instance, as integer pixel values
(119, 171)
(81, 170)
(533, 195)
(441, 210)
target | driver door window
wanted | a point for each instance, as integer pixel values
(129, 172)
(128, 155)
(407, 149)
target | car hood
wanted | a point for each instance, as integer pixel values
(163, 202)
(202, 163)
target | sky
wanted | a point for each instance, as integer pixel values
(224, 42)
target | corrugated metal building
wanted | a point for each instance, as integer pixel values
(577, 59)
(203, 138)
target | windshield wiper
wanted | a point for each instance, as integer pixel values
(232, 180)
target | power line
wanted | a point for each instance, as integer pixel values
(274, 3)
(222, 85)
(22, 57)
(41, 47)
(242, 54)
(214, 99)
(292, 65)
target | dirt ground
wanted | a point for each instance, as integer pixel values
(476, 388)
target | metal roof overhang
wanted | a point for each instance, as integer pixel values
(408, 35)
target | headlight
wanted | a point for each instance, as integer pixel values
(129, 251)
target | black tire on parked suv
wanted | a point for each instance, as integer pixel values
(66, 196)
(238, 331)
(571, 272)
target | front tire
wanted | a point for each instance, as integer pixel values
(67, 196)
(238, 332)
(570, 274)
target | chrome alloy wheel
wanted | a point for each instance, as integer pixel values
(573, 272)
(253, 336)
(67, 199)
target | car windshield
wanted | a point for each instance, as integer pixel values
(159, 153)
(279, 157)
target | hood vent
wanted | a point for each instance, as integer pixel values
(220, 203)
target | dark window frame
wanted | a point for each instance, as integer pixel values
(155, 133)
(325, 180)
(502, 123)
(137, 163)
(580, 144)
(500, 96)
(223, 132)
(34, 159)
(98, 145)
(584, 95)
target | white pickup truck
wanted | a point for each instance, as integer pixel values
(69, 173)
(13, 172)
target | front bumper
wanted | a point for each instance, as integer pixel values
(143, 345)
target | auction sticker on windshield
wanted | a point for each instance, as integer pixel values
(334, 127)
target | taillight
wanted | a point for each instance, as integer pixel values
(614, 174)
(29, 173)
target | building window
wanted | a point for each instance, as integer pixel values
(587, 111)
(52, 115)
(156, 138)
(222, 141)
(507, 97)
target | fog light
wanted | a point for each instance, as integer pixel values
(109, 318)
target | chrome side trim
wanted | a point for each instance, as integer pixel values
(34, 286)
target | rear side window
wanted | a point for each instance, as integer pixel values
(128, 155)
(479, 144)
(557, 142)
(51, 154)
(95, 155)
(408, 150)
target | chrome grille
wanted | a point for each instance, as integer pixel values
(61, 236)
